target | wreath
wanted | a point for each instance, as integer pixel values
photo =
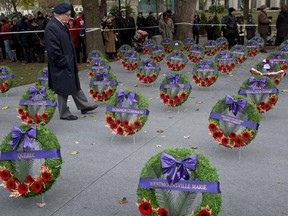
(123, 51)
(177, 45)
(240, 52)
(147, 71)
(279, 58)
(98, 63)
(102, 85)
(175, 89)
(210, 47)
(205, 73)
(233, 121)
(194, 174)
(6, 79)
(166, 43)
(127, 112)
(259, 40)
(268, 68)
(37, 105)
(131, 60)
(17, 159)
(94, 54)
(262, 92)
(176, 61)
(283, 47)
(222, 43)
(196, 53)
(188, 43)
(226, 61)
(157, 53)
(148, 44)
(253, 47)
(42, 78)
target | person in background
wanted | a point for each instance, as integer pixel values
(132, 25)
(166, 27)
(41, 22)
(151, 21)
(141, 21)
(5, 27)
(124, 22)
(15, 39)
(80, 24)
(210, 29)
(241, 29)
(63, 76)
(195, 28)
(2, 46)
(263, 25)
(24, 39)
(231, 27)
(250, 27)
(75, 37)
(282, 25)
(109, 36)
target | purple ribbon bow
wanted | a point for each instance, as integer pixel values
(225, 54)
(255, 82)
(17, 134)
(173, 79)
(177, 53)
(238, 48)
(97, 62)
(210, 42)
(148, 63)
(94, 53)
(131, 53)
(284, 47)
(165, 40)
(101, 76)
(204, 64)
(235, 105)
(196, 47)
(169, 163)
(45, 72)
(3, 70)
(34, 91)
(130, 96)
(189, 41)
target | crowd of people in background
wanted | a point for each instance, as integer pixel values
(23, 46)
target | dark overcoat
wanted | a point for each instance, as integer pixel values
(263, 23)
(282, 24)
(62, 66)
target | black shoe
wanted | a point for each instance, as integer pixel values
(70, 117)
(90, 108)
(263, 51)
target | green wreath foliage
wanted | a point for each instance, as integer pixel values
(6, 83)
(204, 172)
(45, 140)
(205, 79)
(42, 78)
(30, 115)
(229, 136)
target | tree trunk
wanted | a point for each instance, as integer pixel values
(103, 8)
(14, 6)
(245, 9)
(251, 6)
(92, 20)
(184, 12)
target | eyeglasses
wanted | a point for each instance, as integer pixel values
(67, 14)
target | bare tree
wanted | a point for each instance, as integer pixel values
(245, 8)
(92, 20)
(185, 10)
(103, 7)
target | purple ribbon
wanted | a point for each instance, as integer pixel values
(101, 76)
(284, 48)
(17, 134)
(127, 110)
(270, 63)
(234, 120)
(130, 96)
(258, 91)
(3, 70)
(235, 105)
(4, 74)
(169, 163)
(157, 48)
(34, 91)
(30, 155)
(173, 79)
(225, 54)
(148, 63)
(38, 102)
(255, 83)
(45, 72)
(204, 64)
(182, 185)
(97, 62)
(100, 67)
(238, 48)
(94, 53)
(189, 41)
(165, 41)
(258, 39)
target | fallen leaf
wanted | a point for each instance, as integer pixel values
(94, 120)
(76, 142)
(197, 109)
(121, 84)
(5, 107)
(192, 97)
(160, 131)
(82, 116)
(236, 79)
(285, 90)
(168, 110)
(21, 78)
(123, 201)
(135, 85)
(41, 205)
(159, 146)
(193, 147)
(145, 131)
(74, 153)
(92, 115)
(170, 117)
(230, 74)
(187, 137)
(199, 102)
(163, 136)
(150, 99)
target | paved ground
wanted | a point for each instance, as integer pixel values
(107, 170)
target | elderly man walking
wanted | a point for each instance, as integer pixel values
(62, 67)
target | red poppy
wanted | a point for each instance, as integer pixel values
(267, 107)
(30, 121)
(125, 123)
(20, 111)
(104, 95)
(212, 126)
(5, 174)
(216, 135)
(110, 91)
(171, 102)
(118, 122)
(162, 95)
(154, 76)
(225, 141)
(176, 97)
(99, 97)
(29, 179)
(44, 116)
(138, 75)
(91, 91)
(238, 142)
(22, 189)
(183, 95)
(246, 135)
(167, 97)
(177, 101)
(129, 129)
(10, 185)
(36, 186)
(165, 101)
(109, 119)
(194, 76)
(202, 83)
(46, 176)
(272, 100)
(145, 80)
(276, 81)
(137, 124)
(232, 135)
(145, 208)
(162, 212)
(113, 126)
(24, 117)
(120, 130)
(204, 212)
